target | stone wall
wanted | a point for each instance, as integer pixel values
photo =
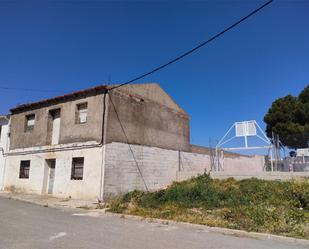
(148, 115)
(146, 122)
(70, 131)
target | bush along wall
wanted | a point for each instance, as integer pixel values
(275, 207)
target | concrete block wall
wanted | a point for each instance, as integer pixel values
(194, 162)
(160, 167)
(250, 164)
(185, 175)
(157, 166)
(276, 176)
(240, 175)
(200, 163)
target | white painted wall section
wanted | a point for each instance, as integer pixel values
(4, 145)
(114, 167)
(87, 188)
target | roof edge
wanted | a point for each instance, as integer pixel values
(79, 94)
(45, 102)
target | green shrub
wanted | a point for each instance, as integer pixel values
(279, 207)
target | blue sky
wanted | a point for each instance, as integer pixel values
(64, 46)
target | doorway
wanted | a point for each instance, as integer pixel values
(54, 126)
(51, 166)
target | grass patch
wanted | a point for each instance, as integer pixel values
(253, 205)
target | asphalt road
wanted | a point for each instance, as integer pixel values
(28, 226)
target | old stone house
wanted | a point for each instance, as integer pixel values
(77, 144)
(96, 143)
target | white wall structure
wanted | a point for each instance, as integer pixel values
(4, 145)
(110, 170)
(64, 186)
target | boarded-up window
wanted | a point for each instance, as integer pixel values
(24, 169)
(29, 122)
(77, 168)
(81, 113)
(54, 126)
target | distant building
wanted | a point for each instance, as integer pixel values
(302, 152)
(4, 145)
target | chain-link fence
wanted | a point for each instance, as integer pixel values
(297, 158)
(295, 164)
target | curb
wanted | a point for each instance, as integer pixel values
(221, 230)
(4, 195)
(41, 203)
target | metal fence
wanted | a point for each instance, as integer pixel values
(295, 164)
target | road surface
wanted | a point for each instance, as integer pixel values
(29, 226)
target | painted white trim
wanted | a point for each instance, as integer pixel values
(55, 147)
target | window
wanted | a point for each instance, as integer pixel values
(77, 168)
(81, 113)
(24, 169)
(29, 124)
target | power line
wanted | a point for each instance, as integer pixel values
(171, 61)
(195, 48)
(127, 139)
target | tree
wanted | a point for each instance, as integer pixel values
(289, 118)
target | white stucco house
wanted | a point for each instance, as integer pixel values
(4, 145)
